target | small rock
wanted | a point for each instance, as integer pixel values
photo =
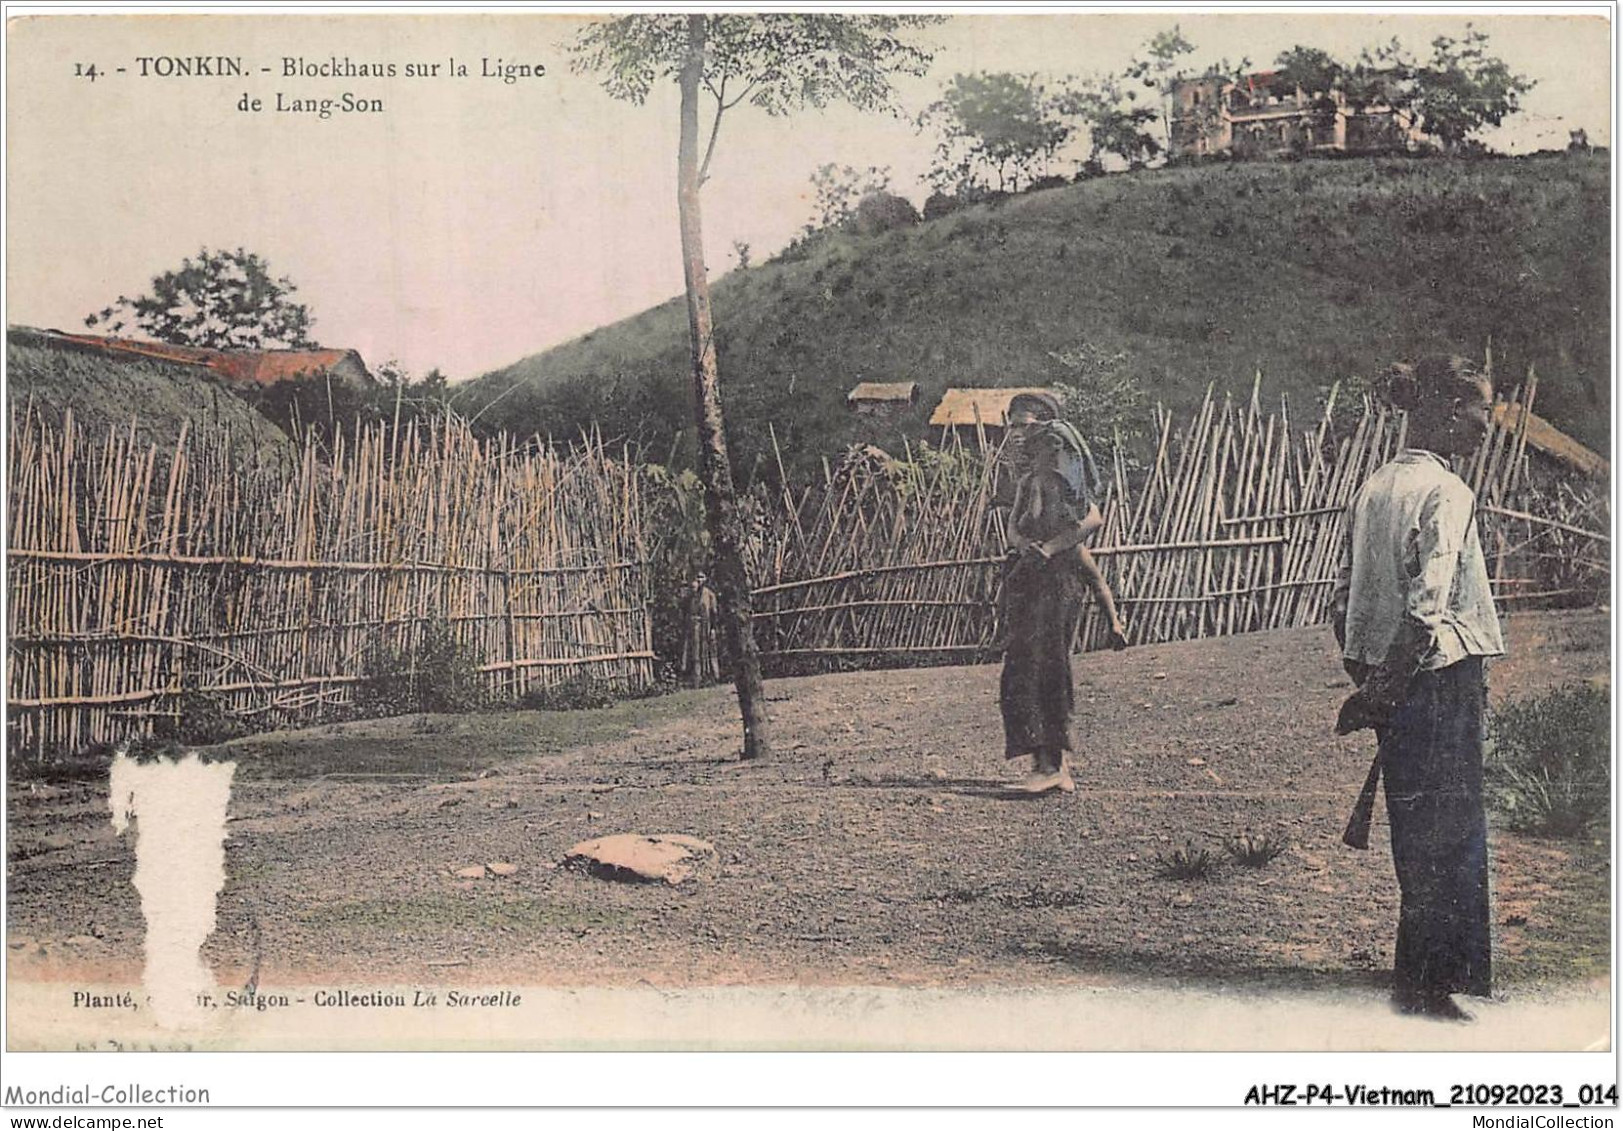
(447, 802)
(1335, 683)
(1159, 675)
(1185, 900)
(1231, 701)
(473, 872)
(604, 787)
(80, 940)
(594, 815)
(484, 775)
(502, 868)
(1197, 761)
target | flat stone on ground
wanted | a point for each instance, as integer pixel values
(635, 858)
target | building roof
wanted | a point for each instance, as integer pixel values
(266, 367)
(1550, 440)
(262, 367)
(986, 407)
(877, 391)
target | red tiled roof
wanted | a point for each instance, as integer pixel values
(270, 366)
(262, 367)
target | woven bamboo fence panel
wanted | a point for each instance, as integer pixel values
(139, 578)
(1235, 525)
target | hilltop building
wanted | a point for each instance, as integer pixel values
(1261, 116)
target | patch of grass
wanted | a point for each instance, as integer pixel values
(1186, 863)
(1045, 897)
(440, 911)
(1571, 939)
(1549, 765)
(1253, 851)
(449, 747)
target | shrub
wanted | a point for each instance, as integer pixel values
(580, 692)
(432, 675)
(1186, 863)
(883, 212)
(939, 204)
(202, 720)
(1549, 768)
(1255, 851)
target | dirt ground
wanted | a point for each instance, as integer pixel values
(880, 846)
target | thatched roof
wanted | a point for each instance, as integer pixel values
(878, 392)
(969, 407)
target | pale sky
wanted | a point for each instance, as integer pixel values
(474, 222)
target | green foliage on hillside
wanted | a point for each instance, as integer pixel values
(1312, 272)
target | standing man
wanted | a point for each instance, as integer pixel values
(1415, 619)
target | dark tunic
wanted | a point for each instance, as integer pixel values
(1042, 606)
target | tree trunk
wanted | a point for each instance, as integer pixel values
(720, 503)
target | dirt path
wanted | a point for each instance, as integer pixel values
(880, 848)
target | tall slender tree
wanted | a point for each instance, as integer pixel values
(776, 62)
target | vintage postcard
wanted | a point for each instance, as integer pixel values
(807, 530)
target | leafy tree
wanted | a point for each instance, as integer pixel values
(1099, 393)
(1310, 69)
(1157, 68)
(776, 62)
(994, 126)
(1116, 122)
(1461, 89)
(220, 300)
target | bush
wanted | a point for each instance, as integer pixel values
(883, 212)
(202, 720)
(939, 204)
(580, 692)
(1254, 851)
(1549, 767)
(434, 675)
(1186, 863)
(1049, 182)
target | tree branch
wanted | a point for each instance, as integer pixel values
(715, 130)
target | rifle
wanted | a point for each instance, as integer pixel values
(1357, 832)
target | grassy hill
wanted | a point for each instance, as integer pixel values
(1311, 272)
(105, 391)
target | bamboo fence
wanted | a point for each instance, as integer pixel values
(143, 582)
(1236, 525)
